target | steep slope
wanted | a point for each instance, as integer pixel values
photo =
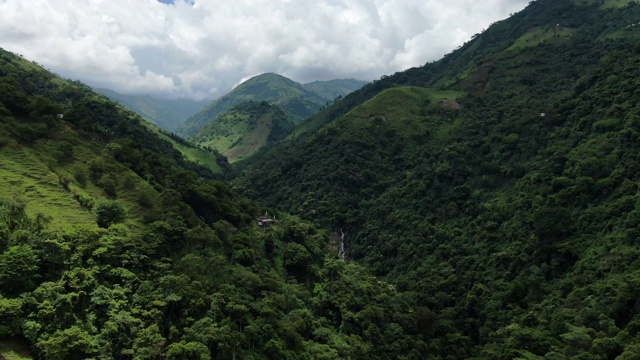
(245, 129)
(295, 99)
(498, 184)
(331, 89)
(112, 245)
(166, 114)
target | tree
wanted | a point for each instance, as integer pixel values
(71, 343)
(109, 212)
(18, 269)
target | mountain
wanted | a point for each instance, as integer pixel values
(331, 89)
(498, 184)
(243, 130)
(297, 100)
(114, 245)
(167, 114)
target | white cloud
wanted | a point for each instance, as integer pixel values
(202, 48)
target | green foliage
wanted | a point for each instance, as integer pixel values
(296, 100)
(71, 343)
(244, 129)
(188, 274)
(166, 114)
(497, 186)
(109, 212)
(18, 269)
(504, 233)
(108, 183)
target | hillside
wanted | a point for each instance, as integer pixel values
(331, 89)
(297, 100)
(498, 185)
(245, 129)
(113, 245)
(167, 114)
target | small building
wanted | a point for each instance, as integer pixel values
(265, 222)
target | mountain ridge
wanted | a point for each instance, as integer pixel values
(495, 183)
(167, 114)
(298, 101)
(113, 245)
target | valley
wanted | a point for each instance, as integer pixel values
(482, 206)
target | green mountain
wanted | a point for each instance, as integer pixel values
(167, 114)
(297, 100)
(113, 245)
(331, 89)
(243, 130)
(498, 185)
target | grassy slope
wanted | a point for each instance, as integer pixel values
(191, 153)
(244, 130)
(333, 88)
(30, 175)
(291, 96)
(26, 177)
(31, 172)
(541, 34)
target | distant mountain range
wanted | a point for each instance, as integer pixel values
(298, 101)
(260, 111)
(164, 113)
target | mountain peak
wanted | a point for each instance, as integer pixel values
(297, 100)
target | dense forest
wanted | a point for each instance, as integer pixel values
(487, 204)
(114, 246)
(498, 186)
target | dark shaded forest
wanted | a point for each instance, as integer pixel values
(497, 186)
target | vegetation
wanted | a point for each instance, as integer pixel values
(243, 130)
(167, 114)
(487, 203)
(296, 100)
(497, 187)
(112, 245)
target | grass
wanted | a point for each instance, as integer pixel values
(538, 35)
(401, 104)
(194, 154)
(250, 143)
(407, 110)
(32, 175)
(241, 132)
(24, 176)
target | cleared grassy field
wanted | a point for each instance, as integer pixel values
(24, 177)
(538, 35)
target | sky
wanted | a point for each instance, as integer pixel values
(201, 49)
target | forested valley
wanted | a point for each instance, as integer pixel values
(487, 203)
(497, 186)
(114, 246)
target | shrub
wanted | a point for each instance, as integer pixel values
(80, 175)
(109, 212)
(109, 183)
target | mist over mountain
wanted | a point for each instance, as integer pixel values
(166, 114)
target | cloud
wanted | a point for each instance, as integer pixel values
(201, 49)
